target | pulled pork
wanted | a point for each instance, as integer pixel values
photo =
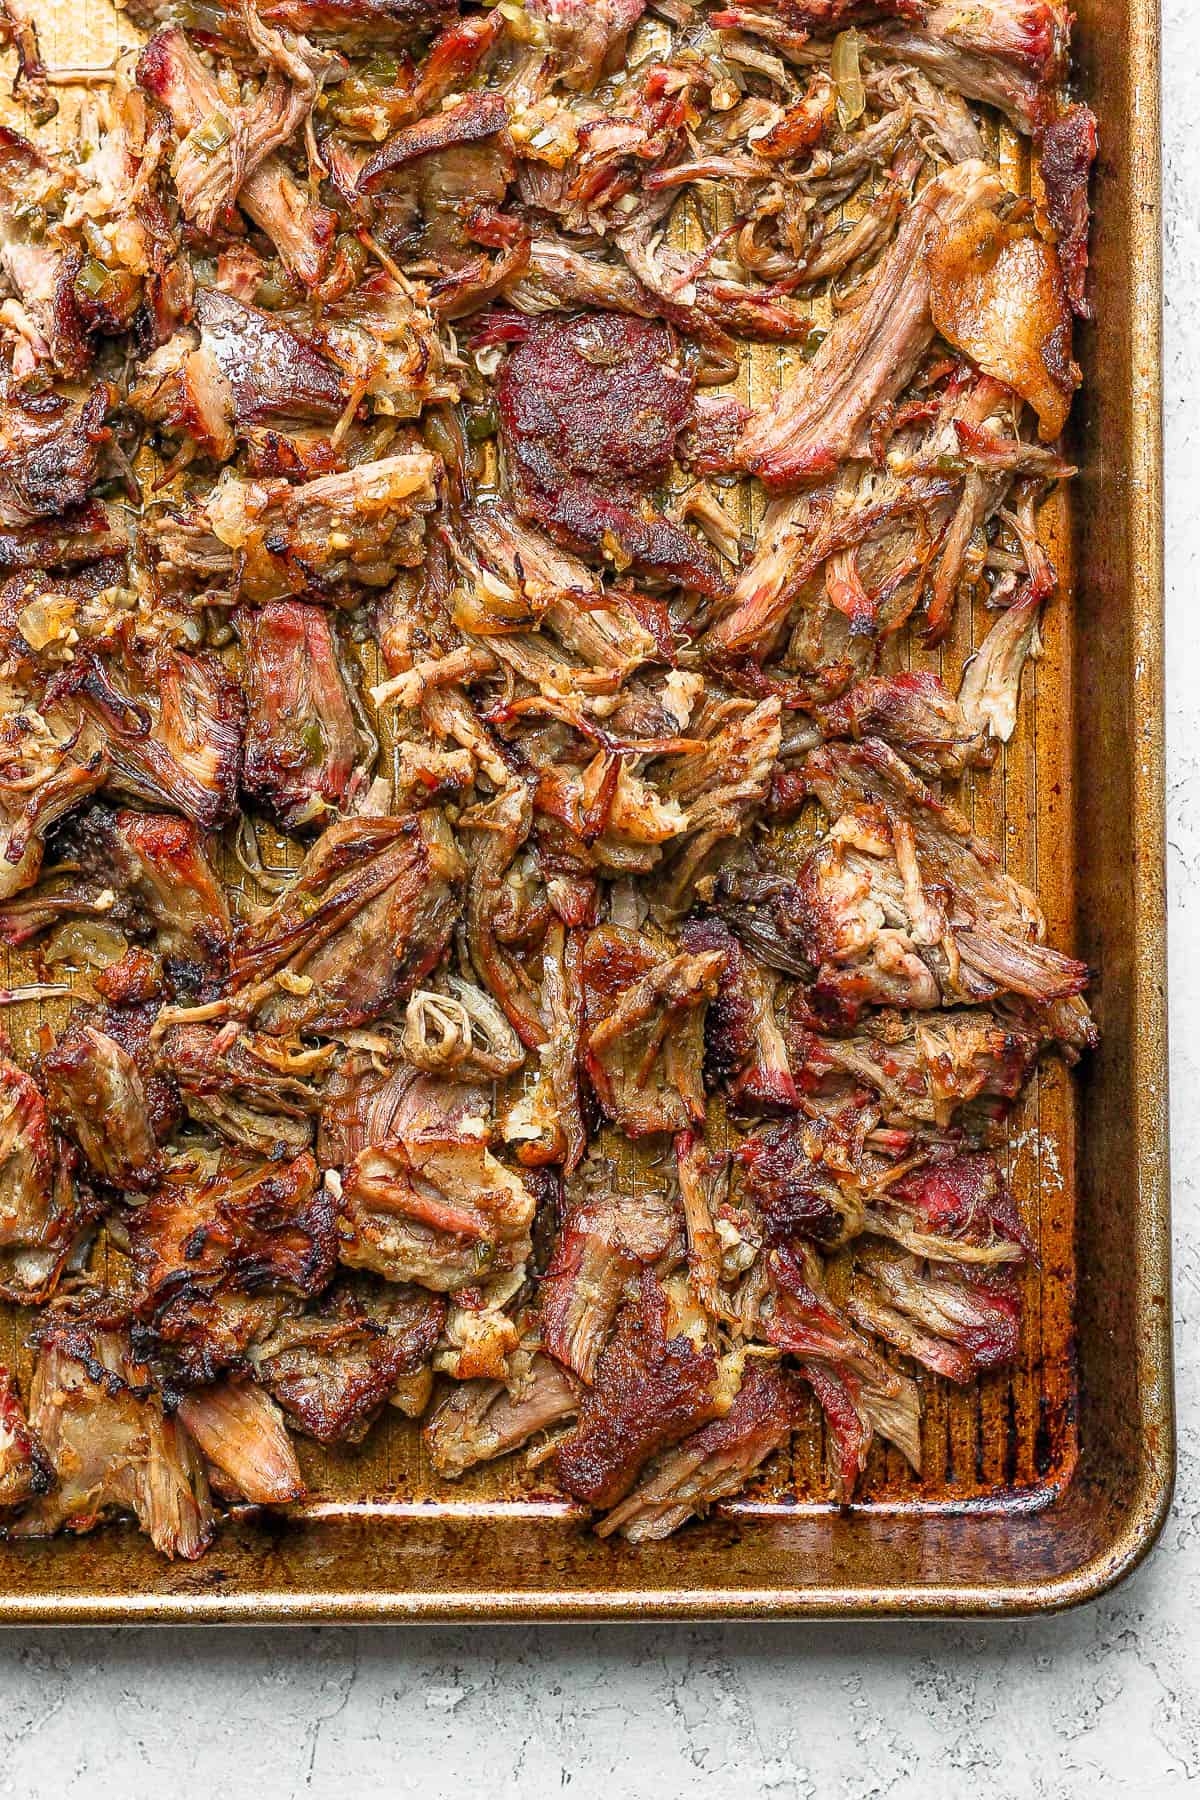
(470, 749)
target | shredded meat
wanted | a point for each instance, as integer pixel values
(603, 1242)
(711, 1465)
(309, 749)
(470, 759)
(241, 1433)
(25, 1469)
(113, 1447)
(823, 416)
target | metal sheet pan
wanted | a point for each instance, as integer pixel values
(1045, 1484)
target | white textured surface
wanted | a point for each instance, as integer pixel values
(1106, 1701)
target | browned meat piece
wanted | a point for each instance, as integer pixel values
(368, 915)
(794, 1190)
(560, 276)
(958, 1207)
(259, 1091)
(823, 415)
(214, 1231)
(859, 1394)
(80, 538)
(713, 1464)
(644, 1030)
(97, 1097)
(387, 347)
(272, 540)
(25, 1469)
(431, 1203)
(956, 1321)
(914, 714)
(357, 24)
(791, 23)
(1069, 146)
(743, 1044)
(997, 295)
(303, 234)
(600, 628)
(273, 372)
(653, 1386)
(237, 368)
(1011, 54)
(39, 274)
(590, 410)
(146, 873)
(480, 1420)
(113, 1447)
(771, 915)
(333, 1366)
(241, 1433)
(309, 749)
(603, 1241)
(472, 120)
(50, 450)
(955, 1067)
(181, 388)
(172, 725)
(160, 867)
(42, 1217)
(129, 1016)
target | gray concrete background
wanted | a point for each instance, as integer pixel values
(1106, 1701)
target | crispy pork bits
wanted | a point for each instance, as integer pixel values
(113, 1446)
(218, 1233)
(538, 971)
(333, 1366)
(655, 1383)
(148, 874)
(590, 410)
(97, 1097)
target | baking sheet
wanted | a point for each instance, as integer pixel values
(1020, 1501)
